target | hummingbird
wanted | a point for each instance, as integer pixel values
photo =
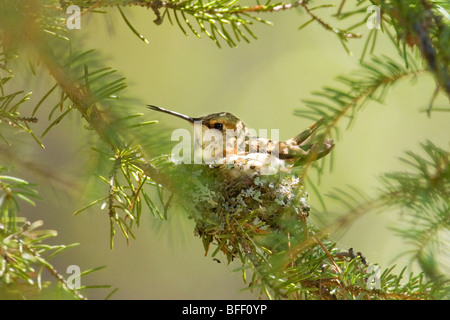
(256, 151)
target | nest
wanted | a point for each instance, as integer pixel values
(234, 209)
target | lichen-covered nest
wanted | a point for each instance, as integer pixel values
(235, 211)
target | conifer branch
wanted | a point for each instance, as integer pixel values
(262, 221)
(22, 247)
(370, 83)
(420, 24)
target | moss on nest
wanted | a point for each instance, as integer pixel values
(235, 213)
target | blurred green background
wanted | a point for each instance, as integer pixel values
(262, 83)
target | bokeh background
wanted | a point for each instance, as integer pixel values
(262, 83)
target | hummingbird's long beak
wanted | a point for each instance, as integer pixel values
(176, 114)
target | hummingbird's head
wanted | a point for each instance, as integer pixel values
(220, 121)
(232, 129)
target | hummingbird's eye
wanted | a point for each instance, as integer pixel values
(218, 126)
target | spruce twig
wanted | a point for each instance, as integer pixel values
(264, 226)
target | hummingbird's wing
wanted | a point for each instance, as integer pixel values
(301, 149)
(302, 137)
(315, 152)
